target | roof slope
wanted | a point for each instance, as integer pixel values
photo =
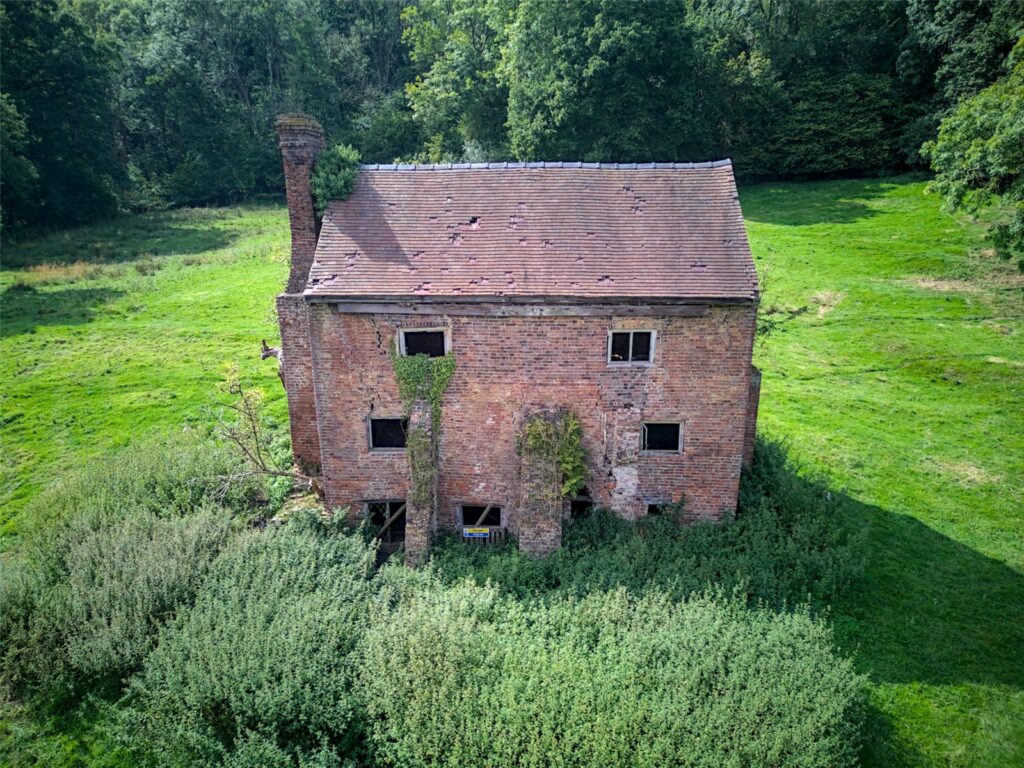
(578, 231)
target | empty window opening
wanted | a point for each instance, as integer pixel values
(388, 519)
(631, 347)
(478, 515)
(430, 343)
(580, 507)
(388, 433)
(661, 437)
(657, 508)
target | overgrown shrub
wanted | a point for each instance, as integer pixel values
(84, 617)
(463, 677)
(334, 175)
(789, 544)
(108, 554)
(169, 475)
(260, 670)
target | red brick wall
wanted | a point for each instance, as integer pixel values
(508, 367)
(753, 402)
(300, 139)
(297, 372)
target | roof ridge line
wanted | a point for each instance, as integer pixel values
(726, 162)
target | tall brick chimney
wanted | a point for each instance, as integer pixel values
(300, 138)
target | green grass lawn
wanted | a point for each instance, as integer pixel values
(893, 358)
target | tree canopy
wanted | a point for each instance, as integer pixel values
(978, 157)
(110, 105)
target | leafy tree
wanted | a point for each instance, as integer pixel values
(57, 119)
(334, 175)
(19, 177)
(604, 80)
(457, 97)
(951, 50)
(978, 156)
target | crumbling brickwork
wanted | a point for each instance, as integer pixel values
(301, 139)
(508, 367)
(419, 526)
(539, 505)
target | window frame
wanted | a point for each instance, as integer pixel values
(387, 514)
(445, 330)
(472, 524)
(369, 434)
(660, 451)
(641, 363)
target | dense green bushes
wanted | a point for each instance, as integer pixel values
(109, 554)
(260, 670)
(169, 475)
(788, 545)
(464, 677)
(189, 640)
(87, 616)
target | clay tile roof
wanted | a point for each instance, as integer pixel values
(579, 231)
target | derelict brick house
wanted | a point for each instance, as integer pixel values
(626, 293)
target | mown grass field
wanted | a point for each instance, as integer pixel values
(893, 358)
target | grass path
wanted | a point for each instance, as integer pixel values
(893, 359)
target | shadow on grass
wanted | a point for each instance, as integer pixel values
(797, 204)
(122, 240)
(930, 610)
(22, 310)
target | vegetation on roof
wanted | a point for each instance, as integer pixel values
(334, 175)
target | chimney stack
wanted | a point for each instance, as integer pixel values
(301, 138)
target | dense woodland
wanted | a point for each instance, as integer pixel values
(123, 105)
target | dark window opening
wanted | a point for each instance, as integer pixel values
(641, 351)
(388, 433)
(581, 504)
(474, 515)
(631, 347)
(379, 512)
(661, 437)
(620, 347)
(580, 507)
(430, 343)
(656, 509)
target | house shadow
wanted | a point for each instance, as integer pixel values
(804, 203)
(929, 609)
(23, 309)
(368, 227)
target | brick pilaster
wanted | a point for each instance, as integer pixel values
(753, 401)
(419, 520)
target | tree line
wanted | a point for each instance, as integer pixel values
(127, 105)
